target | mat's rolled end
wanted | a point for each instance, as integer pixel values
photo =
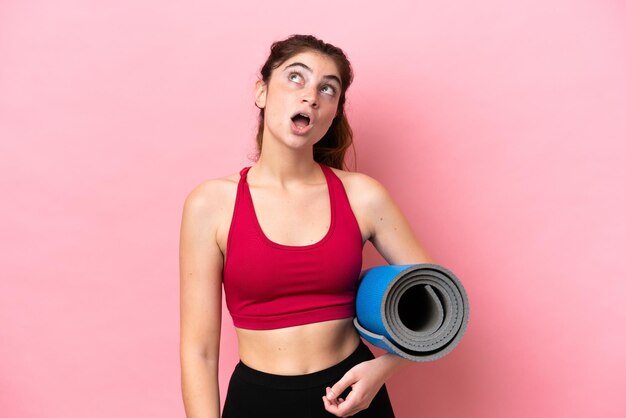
(417, 311)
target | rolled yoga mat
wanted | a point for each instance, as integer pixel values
(416, 311)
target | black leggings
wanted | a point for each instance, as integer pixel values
(252, 393)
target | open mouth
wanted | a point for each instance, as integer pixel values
(301, 120)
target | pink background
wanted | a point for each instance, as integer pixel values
(499, 127)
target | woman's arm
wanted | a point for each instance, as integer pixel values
(389, 230)
(390, 233)
(200, 304)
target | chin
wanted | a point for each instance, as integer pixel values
(298, 142)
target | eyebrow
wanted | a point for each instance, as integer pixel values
(306, 67)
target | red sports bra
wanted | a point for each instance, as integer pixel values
(270, 285)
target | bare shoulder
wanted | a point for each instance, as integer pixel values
(211, 199)
(212, 189)
(361, 188)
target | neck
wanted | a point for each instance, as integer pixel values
(285, 164)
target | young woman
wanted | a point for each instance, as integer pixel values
(284, 238)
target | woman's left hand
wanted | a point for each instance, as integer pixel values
(366, 379)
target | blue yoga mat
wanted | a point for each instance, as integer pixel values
(416, 311)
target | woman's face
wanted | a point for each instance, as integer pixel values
(300, 100)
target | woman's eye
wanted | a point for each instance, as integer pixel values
(327, 89)
(295, 77)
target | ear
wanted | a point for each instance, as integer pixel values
(261, 94)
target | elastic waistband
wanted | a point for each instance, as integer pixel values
(325, 377)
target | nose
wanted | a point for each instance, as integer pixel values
(310, 96)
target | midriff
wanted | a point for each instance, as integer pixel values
(298, 350)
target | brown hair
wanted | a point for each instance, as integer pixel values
(331, 149)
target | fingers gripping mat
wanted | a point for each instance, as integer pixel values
(416, 311)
